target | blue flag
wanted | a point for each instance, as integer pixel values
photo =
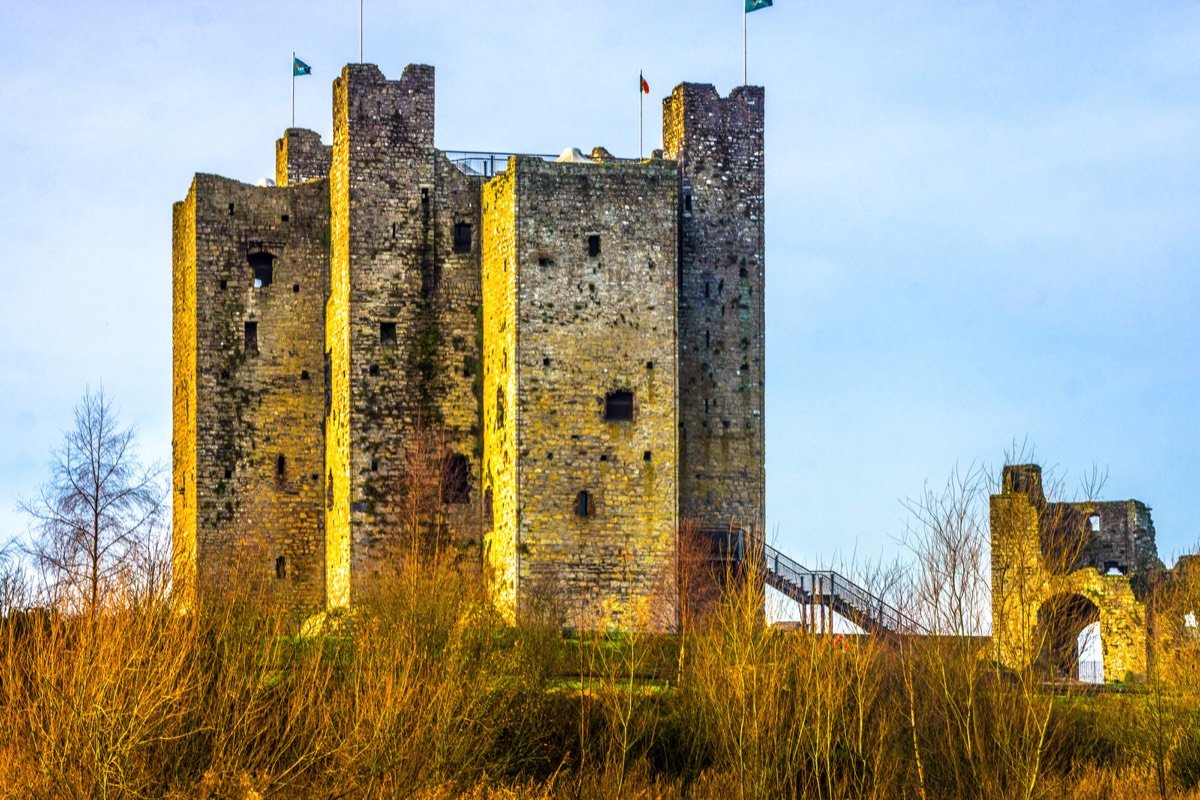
(755, 5)
(300, 68)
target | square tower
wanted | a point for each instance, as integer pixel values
(579, 316)
(718, 144)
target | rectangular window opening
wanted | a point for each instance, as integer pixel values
(251, 337)
(462, 237)
(456, 479)
(387, 333)
(280, 568)
(618, 406)
(593, 245)
(1094, 522)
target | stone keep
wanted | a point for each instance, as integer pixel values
(576, 346)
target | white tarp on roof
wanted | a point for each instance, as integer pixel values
(573, 155)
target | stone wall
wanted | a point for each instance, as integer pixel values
(247, 356)
(585, 324)
(718, 143)
(300, 157)
(500, 467)
(1042, 556)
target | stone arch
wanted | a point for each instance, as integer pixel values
(1060, 620)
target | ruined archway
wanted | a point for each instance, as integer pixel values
(1060, 621)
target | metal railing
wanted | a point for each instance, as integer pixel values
(486, 164)
(824, 588)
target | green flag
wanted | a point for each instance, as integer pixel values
(755, 5)
(300, 68)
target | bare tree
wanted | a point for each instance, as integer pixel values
(99, 513)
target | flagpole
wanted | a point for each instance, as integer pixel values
(360, 27)
(293, 88)
(640, 128)
(744, 15)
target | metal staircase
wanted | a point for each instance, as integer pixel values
(835, 592)
(820, 588)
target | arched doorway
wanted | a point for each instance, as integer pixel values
(1061, 620)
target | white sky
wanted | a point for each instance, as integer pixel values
(981, 217)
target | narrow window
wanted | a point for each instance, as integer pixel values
(545, 362)
(263, 264)
(593, 245)
(303, 374)
(462, 237)
(687, 201)
(583, 505)
(285, 217)
(295, 288)
(231, 209)
(251, 337)
(499, 408)
(280, 466)
(387, 333)
(646, 456)
(456, 479)
(228, 474)
(373, 370)
(280, 568)
(487, 508)
(618, 406)
(224, 284)
(649, 365)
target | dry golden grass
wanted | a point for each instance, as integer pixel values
(424, 692)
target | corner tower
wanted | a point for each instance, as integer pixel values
(718, 144)
(401, 322)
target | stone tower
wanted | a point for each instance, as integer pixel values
(250, 267)
(717, 144)
(400, 321)
(571, 350)
(580, 361)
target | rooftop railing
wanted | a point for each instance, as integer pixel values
(486, 164)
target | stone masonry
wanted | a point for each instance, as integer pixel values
(577, 344)
(1058, 567)
(579, 315)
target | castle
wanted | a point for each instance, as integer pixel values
(577, 344)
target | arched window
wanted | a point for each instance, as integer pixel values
(583, 505)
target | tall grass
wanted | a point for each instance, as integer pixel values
(423, 691)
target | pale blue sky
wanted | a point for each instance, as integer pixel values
(981, 217)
